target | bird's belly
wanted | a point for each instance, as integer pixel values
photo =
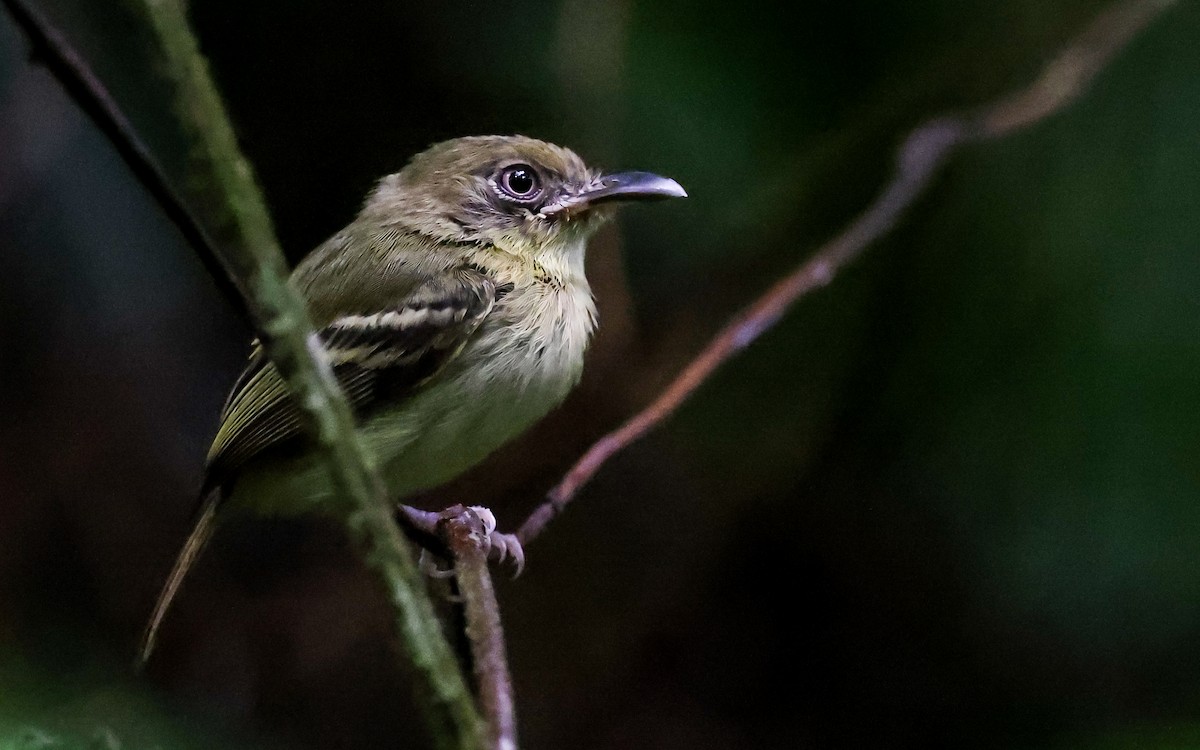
(503, 382)
(453, 426)
(428, 440)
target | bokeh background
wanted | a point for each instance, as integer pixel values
(950, 501)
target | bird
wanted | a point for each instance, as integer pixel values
(454, 311)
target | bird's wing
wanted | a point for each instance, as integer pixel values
(389, 353)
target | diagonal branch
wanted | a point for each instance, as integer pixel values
(242, 240)
(918, 160)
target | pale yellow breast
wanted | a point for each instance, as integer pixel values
(521, 364)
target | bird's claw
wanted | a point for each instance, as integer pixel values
(500, 547)
(508, 547)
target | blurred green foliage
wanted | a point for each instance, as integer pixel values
(90, 707)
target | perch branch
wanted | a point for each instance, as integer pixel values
(462, 531)
(918, 160)
(243, 239)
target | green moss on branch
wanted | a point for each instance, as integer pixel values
(245, 242)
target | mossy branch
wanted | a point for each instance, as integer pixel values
(246, 241)
(239, 234)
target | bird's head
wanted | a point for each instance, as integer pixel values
(518, 193)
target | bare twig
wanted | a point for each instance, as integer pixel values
(243, 240)
(50, 47)
(918, 160)
(462, 531)
(1071, 72)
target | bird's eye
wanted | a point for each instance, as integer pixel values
(521, 182)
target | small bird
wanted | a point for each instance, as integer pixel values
(455, 313)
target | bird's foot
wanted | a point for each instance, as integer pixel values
(428, 529)
(500, 547)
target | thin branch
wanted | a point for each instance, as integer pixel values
(462, 531)
(243, 239)
(1068, 76)
(917, 162)
(50, 47)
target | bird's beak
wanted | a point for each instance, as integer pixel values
(620, 186)
(632, 186)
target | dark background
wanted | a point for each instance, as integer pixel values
(950, 501)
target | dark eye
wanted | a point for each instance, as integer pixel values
(521, 182)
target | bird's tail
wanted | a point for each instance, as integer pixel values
(192, 548)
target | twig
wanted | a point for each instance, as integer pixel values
(925, 149)
(462, 531)
(49, 47)
(243, 240)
